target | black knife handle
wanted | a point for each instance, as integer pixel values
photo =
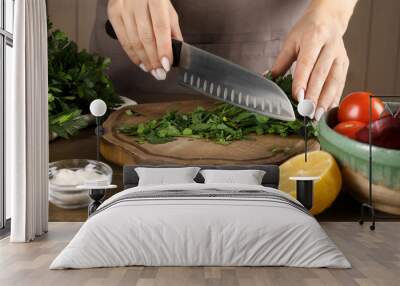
(176, 51)
(110, 30)
(176, 45)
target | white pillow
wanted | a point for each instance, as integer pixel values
(165, 176)
(247, 177)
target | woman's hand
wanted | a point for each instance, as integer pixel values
(316, 44)
(145, 28)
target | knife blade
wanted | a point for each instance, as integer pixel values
(223, 80)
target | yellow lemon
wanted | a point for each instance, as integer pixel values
(320, 164)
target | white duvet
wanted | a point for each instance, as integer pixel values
(200, 231)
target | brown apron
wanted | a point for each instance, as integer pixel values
(249, 33)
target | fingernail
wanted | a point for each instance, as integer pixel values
(154, 73)
(314, 109)
(143, 67)
(161, 74)
(318, 114)
(165, 64)
(300, 95)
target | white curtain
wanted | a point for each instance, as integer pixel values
(27, 124)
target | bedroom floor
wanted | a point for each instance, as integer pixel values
(375, 257)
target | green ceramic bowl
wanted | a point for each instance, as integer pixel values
(353, 156)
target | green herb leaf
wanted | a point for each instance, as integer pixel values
(75, 79)
(223, 124)
(129, 112)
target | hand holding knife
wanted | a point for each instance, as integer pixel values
(225, 81)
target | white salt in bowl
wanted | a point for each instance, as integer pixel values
(66, 175)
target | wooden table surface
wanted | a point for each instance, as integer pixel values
(83, 146)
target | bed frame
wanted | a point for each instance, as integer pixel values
(270, 179)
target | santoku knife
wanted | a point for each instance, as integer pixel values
(223, 80)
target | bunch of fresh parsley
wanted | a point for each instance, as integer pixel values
(223, 124)
(76, 77)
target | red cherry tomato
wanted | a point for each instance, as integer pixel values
(355, 106)
(350, 128)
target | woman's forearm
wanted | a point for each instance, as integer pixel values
(340, 10)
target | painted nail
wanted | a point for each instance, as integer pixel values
(300, 95)
(161, 74)
(154, 73)
(165, 64)
(143, 67)
(318, 114)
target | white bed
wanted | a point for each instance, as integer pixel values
(185, 230)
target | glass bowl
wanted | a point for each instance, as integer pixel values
(66, 175)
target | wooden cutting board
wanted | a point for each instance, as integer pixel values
(121, 149)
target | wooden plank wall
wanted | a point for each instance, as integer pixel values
(372, 40)
(384, 43)
(74, 17)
